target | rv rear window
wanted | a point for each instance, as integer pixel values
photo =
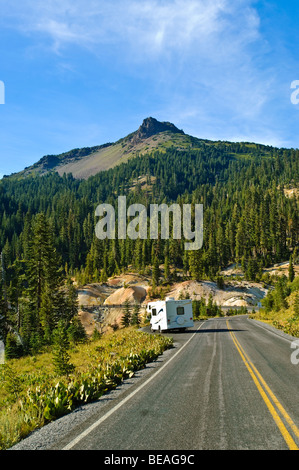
(154, 311)
(180, 310)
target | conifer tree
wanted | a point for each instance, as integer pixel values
(12, 348)
(296, 306)
(138, 255)
(126, 319)
(103, 276)
(76, 331)
(136, 315)
(193, 265)
(71, 301)
(90, 265)
(3, 313)
(61, 357)
(166, 268)
(156, 272)
(44, 275)
(291, 270)
(144, 254)
(241, 239)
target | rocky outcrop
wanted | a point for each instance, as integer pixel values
(150, 127)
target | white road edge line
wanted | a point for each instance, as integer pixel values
(103, 418)
(278, 333)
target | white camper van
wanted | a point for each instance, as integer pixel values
(170, 314)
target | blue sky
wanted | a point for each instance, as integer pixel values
(82, 73)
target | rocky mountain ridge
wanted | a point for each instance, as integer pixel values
(88, 161)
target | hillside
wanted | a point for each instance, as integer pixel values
(249, 194)
(152, 135)
(101, 305)
(86, 162)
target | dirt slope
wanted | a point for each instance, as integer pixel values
(235, 293)
(97, 301)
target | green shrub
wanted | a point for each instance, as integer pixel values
(38, 398)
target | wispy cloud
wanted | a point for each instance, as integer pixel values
(204, 56)
(156, 26)
(197, 38)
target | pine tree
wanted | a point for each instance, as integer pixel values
(126, 319)
(291, 270)
(185, 262)
(3, 301)
(166, 268)
(144, 255)
(71, 300)
(156, 272)
(210, 305)
(61, 357)
(12, 348)
(103, 276)
(138, 255)
(273, 224)
(44, 275)
(76, 331)
(136, 315)
(241, 239)
(196, 308)
(89, 267)
(3, 314)
(296, 306)
(46, 317)
(212, 257)
(196, 261)
(193, 265)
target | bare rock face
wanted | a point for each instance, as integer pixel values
(150, 127)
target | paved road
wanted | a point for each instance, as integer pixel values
(229, 384)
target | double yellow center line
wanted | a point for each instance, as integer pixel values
(276, 409)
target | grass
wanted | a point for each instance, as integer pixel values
(284, 319)
(31, 393)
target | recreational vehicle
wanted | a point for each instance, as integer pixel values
(170, 314)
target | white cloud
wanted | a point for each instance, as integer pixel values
(202, 40)
(205, 57)
(154, 26)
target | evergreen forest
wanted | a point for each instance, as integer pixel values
(47, 228)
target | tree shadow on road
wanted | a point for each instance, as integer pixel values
(218, 330)
(207, 330)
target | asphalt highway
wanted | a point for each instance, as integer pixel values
(229, 384)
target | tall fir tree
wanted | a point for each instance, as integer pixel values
(291, 270)
(61, 357)
(44, 277)
(156, 272)
(136, 320)
(126, 318)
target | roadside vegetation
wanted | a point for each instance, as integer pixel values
(281, 305)
(35, 390)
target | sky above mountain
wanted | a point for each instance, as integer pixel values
(82, 73)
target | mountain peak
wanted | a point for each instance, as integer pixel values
(88, 161)
(152, 126)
